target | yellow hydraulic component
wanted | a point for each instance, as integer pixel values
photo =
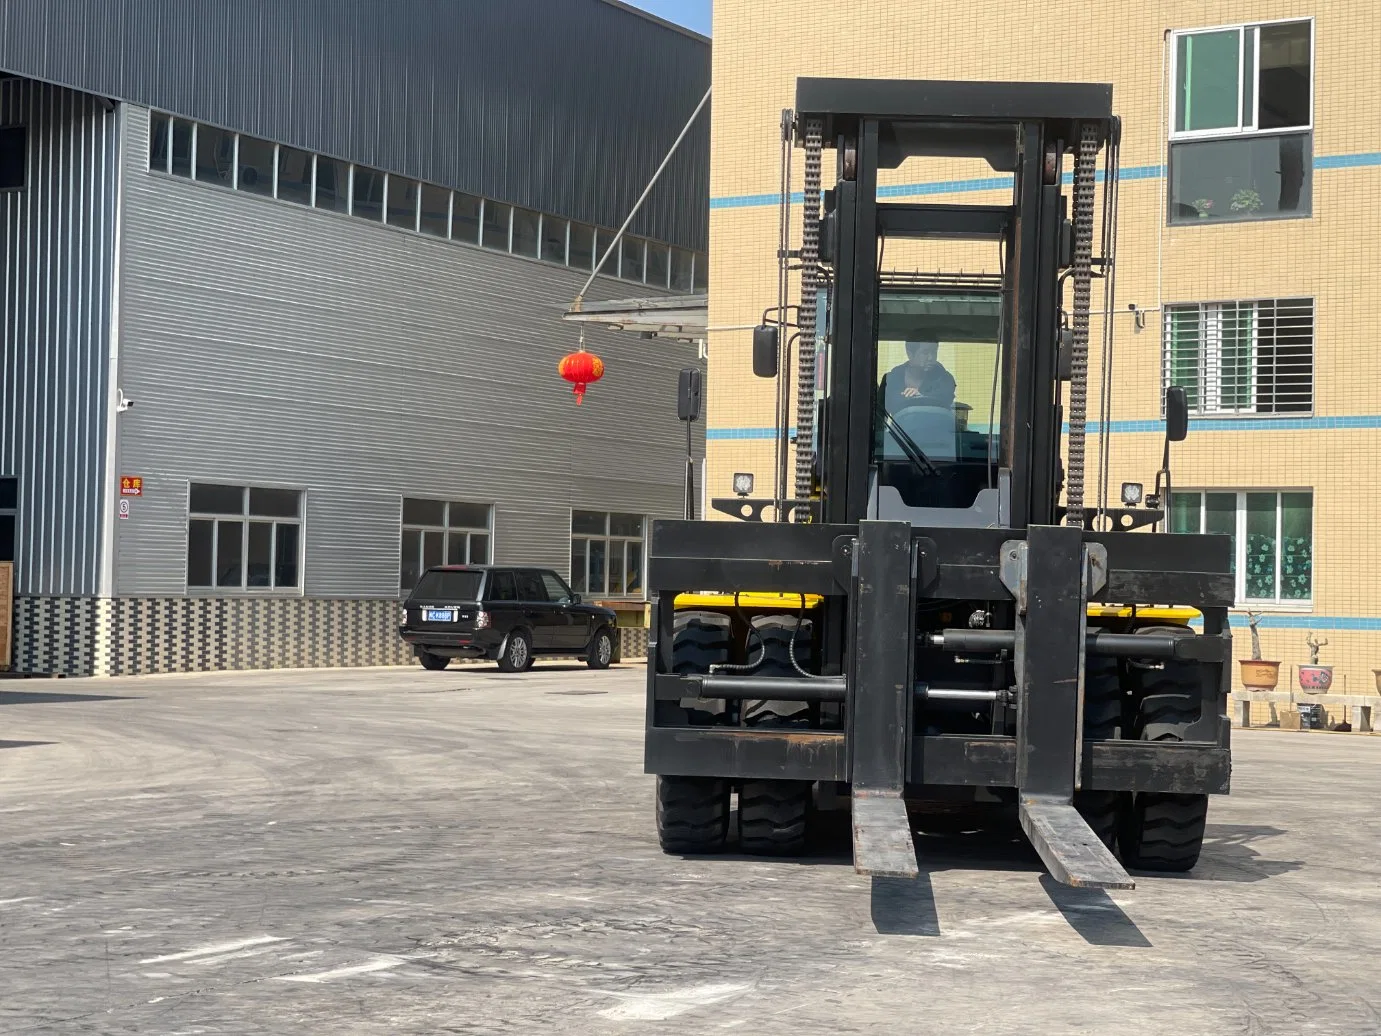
(750, 601)
(1173, 616)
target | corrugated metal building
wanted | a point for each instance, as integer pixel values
(281, 286)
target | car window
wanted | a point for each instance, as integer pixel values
(530, 587)
(556, 589)
(501, 587)
(443, 585)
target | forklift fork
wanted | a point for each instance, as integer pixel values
(1051, 575)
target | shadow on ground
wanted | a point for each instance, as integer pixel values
(54, 698)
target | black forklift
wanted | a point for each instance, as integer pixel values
(922, 619)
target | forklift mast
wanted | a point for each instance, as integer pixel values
(1026, 132)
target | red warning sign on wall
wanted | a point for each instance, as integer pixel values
(131, 485)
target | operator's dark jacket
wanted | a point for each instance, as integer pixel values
(936, 388)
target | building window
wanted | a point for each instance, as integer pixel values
(9, 513)
(1272, 536)
(700, 274)
(160, 141)
(497, 217)
(367, 193)
(465, 218)
(402, 202)
(243, 538)
(262, 167)
(440, 532)
(582, 250)
(215, 149)
(255, 166)
(295, 175)
(554, 239)
(607, 553)
(332, 184)
(1241, 145)
(526, 232)
(435, 218)
(1242, 357)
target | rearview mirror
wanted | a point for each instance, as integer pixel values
(1176, 414)
(766, 345)
(688, 395)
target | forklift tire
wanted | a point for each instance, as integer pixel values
(433, 662)
(772, 817)
(776, 632)
(701, 640)
(1163, 831)
(1103, 697)
(692, 814)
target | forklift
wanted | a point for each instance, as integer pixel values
(922, 621)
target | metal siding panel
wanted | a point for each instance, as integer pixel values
(272, 344)
(561, 105)
(57, 242)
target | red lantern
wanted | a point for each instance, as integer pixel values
(581, 369)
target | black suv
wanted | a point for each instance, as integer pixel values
(511, 615)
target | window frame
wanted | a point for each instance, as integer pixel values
(1211, 315)
(609, 540)
(1239, 544)
(446, 530)
(1242, 129)
(13, 514)
(246, 518)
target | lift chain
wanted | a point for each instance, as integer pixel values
(806, 354)
(1085, 163)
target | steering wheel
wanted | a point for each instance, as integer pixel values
(921, 404)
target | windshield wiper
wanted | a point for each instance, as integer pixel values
(909, 447)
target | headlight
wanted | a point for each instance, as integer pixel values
(403, 619)
(743, 483)
(1131, 493)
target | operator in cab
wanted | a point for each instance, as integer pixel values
(920, 381)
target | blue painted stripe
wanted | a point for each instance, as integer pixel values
(1237, 424)
(997, 183)
(1343, 623)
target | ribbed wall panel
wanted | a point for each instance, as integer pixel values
(56, 262)
(565, 106)
(267, 343)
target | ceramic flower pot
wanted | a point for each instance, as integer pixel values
(1316, 678)
(1258, 675)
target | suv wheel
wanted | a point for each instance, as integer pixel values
(517, 653)
(601, 649)
(432, 662)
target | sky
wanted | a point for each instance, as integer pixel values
(693, 14)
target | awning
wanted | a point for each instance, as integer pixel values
(682, 317)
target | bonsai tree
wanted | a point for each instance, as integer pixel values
(1253, 618)
(1314, 645)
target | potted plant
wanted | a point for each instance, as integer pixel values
(1204, 206)
(1258, 675)
(1314, 677)
(1245, 200)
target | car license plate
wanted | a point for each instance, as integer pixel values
(439, 615)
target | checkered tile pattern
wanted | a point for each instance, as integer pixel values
(132, 636)
(82, 636)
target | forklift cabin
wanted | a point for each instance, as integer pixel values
(945, 627)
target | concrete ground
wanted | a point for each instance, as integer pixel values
(402, 852)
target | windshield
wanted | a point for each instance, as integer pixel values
(441, 585)
(937, 433)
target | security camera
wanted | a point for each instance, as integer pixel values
(122, 402)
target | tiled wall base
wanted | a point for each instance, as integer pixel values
(82, 636)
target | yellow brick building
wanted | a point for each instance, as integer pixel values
(1248, 227)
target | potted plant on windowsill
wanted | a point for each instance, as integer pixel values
(1245, 200)
(1204, 207)
(1313, 677)
(1258, 675)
